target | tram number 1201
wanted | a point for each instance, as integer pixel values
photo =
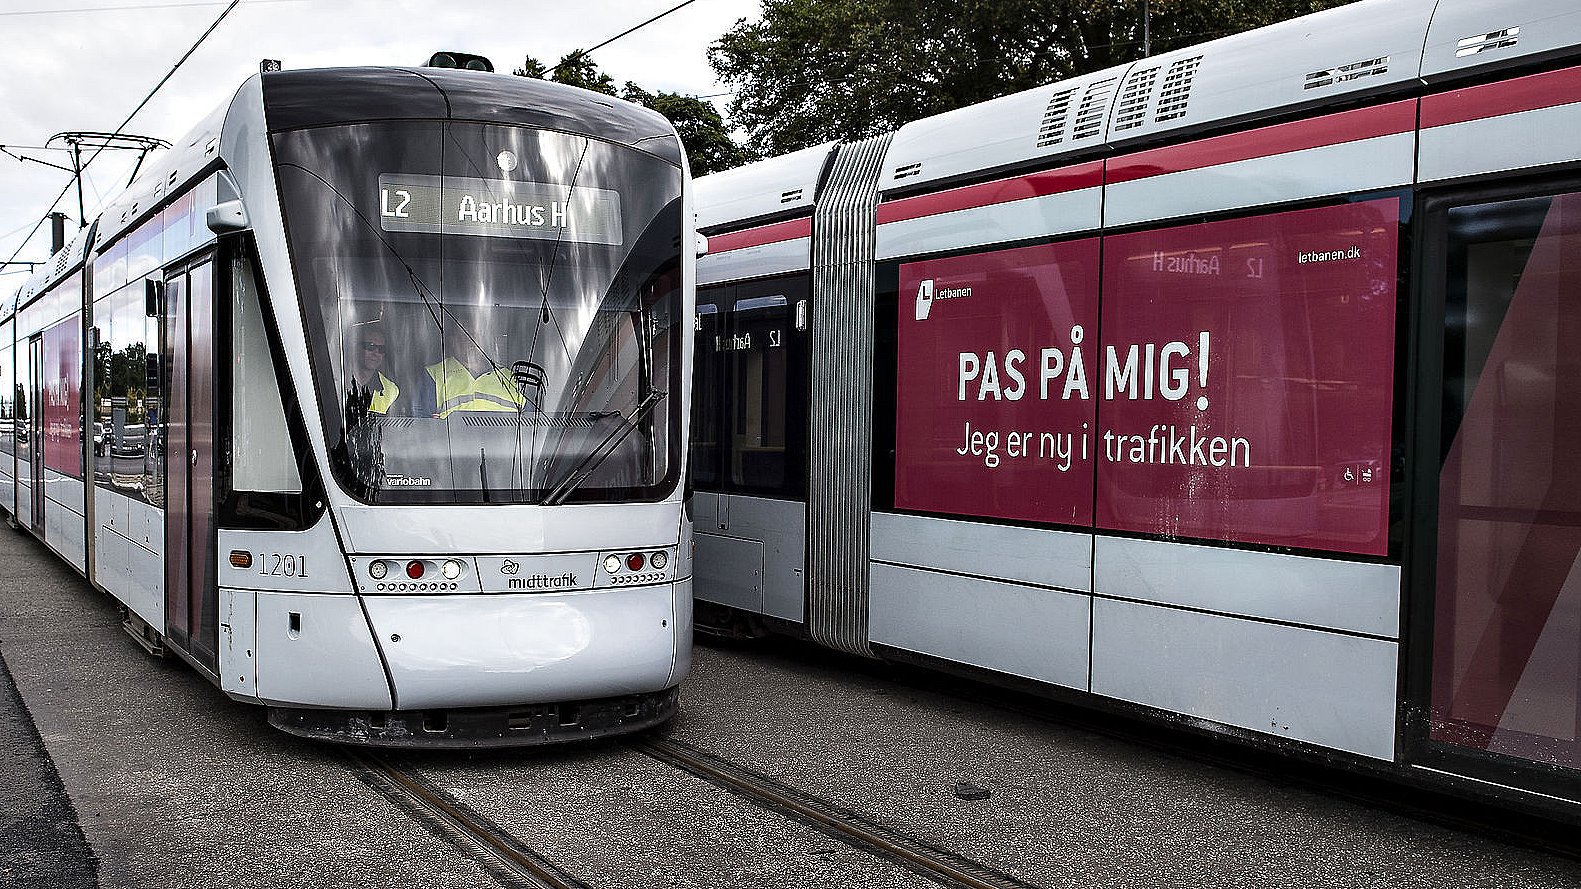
(282, 565)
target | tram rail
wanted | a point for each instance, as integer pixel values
(834, 821)
(507, 859)
(516, 865)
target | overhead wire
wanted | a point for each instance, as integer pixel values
(14, 231)
(587, 52)
(140, 105)
(98, 196)
(134, 7)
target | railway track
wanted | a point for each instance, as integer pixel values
(507, 859)
(516, 865)
(939, 865)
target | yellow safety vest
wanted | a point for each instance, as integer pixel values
(385, 397)
(456, 389)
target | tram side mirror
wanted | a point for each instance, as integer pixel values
(153, 297)
(231, 216)
(702, 245)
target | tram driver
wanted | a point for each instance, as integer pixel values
(369, 390)
(466, 380)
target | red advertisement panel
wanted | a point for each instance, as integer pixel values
(995, 404)
(1246, 390)
(62, 415)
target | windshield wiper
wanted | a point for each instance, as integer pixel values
(591, 462)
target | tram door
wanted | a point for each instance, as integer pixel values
(35, 429)
(1498, 570)
(191, 598)
(749, 429)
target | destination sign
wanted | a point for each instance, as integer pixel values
(460, 205)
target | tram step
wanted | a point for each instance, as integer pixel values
(146, 636)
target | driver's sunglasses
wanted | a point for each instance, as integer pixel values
(375, 348)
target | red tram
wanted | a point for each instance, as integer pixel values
(1234, 387)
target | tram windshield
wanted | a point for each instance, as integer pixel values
(492, 311)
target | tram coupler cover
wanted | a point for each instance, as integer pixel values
(520, 725)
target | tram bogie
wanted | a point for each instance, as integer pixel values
(1156, 390)
(368, 401)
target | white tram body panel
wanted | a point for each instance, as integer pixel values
(1296, 609)
(479, 544)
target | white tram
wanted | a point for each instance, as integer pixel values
(1234, 387)
(369, 401)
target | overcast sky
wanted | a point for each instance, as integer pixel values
(86, 70)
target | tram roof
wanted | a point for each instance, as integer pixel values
(328, 96)
(1348, 54)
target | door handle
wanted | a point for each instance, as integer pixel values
(194, 456)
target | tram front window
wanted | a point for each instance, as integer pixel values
(491, 310)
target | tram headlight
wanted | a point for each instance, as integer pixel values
(451, 569)
(414, 569)
(378, 568)
(635, 561)
(659, 559)
(612, 563)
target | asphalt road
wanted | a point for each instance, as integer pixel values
(130, 771)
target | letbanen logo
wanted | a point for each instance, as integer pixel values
(928, 293)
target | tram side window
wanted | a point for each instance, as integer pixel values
(103, 346)
(179, 222)
(263, 460)
(666, 326)
(125, 431)
(768, 346)
(749, 431)
(109, 270)
(1506, 664)
(154, 376)
(62, 397)
(145, 249)
(706, 388)
(21, 403)
(7, 394)
(757, 440)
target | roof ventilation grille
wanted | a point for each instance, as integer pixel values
(908, 171)
(1176, 93)
(1132, 110)
(1052, 130)
(791, 196)
(62, 260)
(1470, 46)
(1094, 104)
(1346, 73)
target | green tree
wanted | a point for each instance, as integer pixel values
(709, 146)
(574, 69)
(811, 71)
